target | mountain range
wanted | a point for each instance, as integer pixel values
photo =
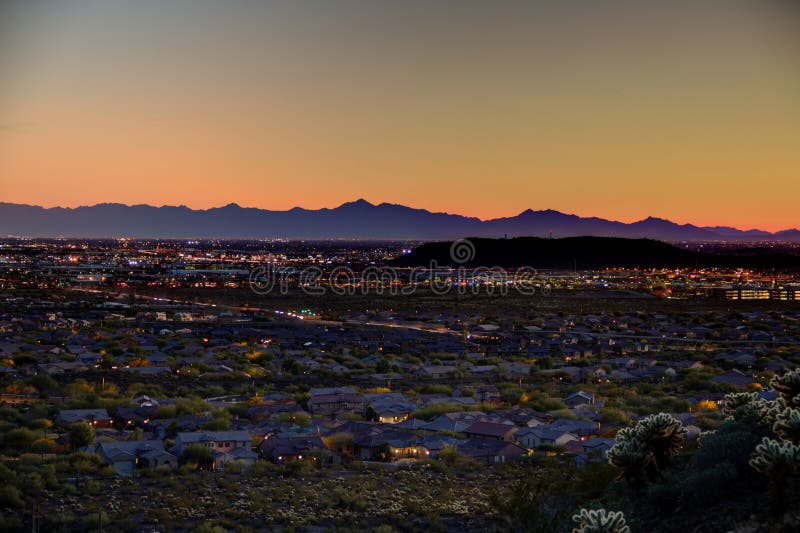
(351, 220)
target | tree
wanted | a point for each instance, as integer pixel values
(79, 389)
(43, 382)
(383, 453)
(81, 434)
(371, 414)
(42, 446)
(341, 443)
(382, 366)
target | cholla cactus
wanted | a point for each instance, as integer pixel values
(600, 521)
(788, 385)
(662, 435)
(768, 410)
(703, 436)
(739, 405)
(647, 447)
(776, 457)
(780, 462)
(787, 425)
(630, 457)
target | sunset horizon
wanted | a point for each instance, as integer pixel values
(689, 113)
(488, 217)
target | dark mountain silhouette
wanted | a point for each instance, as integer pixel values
(585, 253)
(352, 220)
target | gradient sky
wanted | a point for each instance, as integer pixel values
(689, 110)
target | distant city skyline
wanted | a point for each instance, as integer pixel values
(620, 110)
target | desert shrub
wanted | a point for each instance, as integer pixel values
(732, 443)
(612, 415)
(197, 455)
(295, 469)
(209, 527)
(10, 524)
(542, 402)
(10, 497)
(436, 388)
(694, 488)
(20, 439)
(39, 424)
(531, 505)
(262, 469)
(432, 411)
(221, 421)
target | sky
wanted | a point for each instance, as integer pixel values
(684, 110)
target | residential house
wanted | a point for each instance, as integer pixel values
(490, 451)
(281, 450)
(487, 394)
(97, 417)
(579, 398)
(126, 456)
(491, 430)
(391, 408)
(735, 378)
(336, 404)
(436, 371)
(535, 437)
(596, 449)
(223, 445)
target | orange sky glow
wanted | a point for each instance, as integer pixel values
(687, 112)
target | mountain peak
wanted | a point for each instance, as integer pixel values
(358, 203)
(545, 212)
(654, 220)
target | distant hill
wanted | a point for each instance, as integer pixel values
(586, 253)
(352, 220)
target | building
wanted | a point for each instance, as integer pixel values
(491, 431)
(126, 456)
(225, 446)
(98, 418)
(535, 437)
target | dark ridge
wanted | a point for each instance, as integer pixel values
(584, 253)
